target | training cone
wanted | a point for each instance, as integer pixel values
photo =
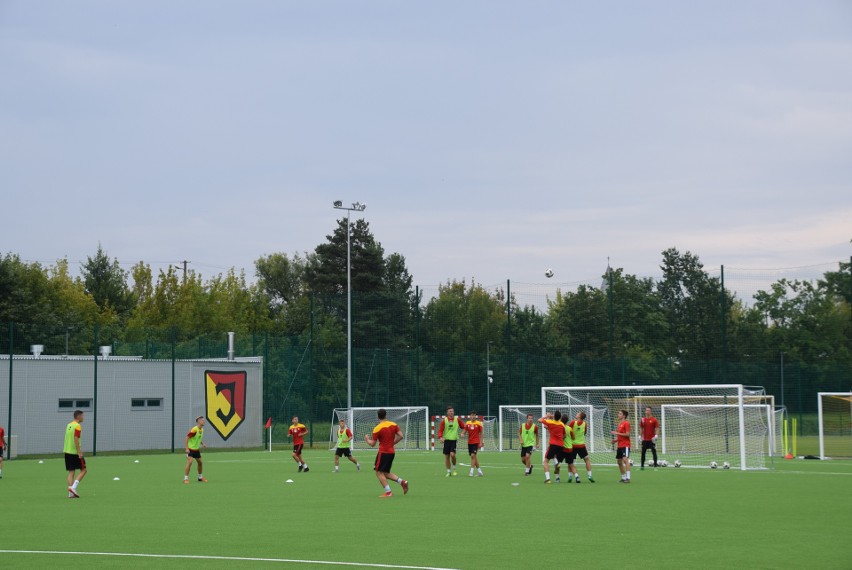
(788, 456)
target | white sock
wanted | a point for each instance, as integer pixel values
(186, 477)
(387, 489)
(589, 472)
(336, 468)
(74, 486)
(471, 470)
(400, 480)
(448, 470)
(547, 475)
(479, 469)
(628, 474)
(200, 476)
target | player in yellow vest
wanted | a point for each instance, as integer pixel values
(74, 454)
(580, 426)
(344, 446)
(193, 446)
(528, 434)
(448, 434)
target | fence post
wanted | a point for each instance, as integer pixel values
(95, 402)
(174, 340)
(11, 357)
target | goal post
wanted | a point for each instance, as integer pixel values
(834, 414)
(732, 414)
(413, 421)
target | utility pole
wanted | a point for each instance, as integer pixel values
(184, 263)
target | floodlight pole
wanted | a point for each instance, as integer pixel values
(358, 207)
(488, 376)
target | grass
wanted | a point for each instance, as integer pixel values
(796, 515)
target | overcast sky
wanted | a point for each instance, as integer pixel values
(488, 139)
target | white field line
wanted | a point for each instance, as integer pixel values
(230, 558)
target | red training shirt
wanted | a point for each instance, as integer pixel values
(385, 434)
(623, 428)
(557, 432)
(297, 432)
(474, 432)
(649, 428)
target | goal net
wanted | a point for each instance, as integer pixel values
(513, 416)
(835, 424)
(705, 423)
(413, 422)
(489, 433)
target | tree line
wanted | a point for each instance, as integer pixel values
(684, 316)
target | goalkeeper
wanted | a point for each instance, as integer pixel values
(650, 431)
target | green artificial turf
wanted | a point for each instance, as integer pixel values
(795, 515)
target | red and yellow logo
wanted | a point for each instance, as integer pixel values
(225, 394)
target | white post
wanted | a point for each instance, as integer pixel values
(821, 433)
(663, 427)
(741, 413)
(269, 439)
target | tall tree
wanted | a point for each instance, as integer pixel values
(106, 282)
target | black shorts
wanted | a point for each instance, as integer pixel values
(526, 451)
(648, 445)
(74, 462)
(449, 446)
(622, 452)
(580, 452)
(297, 448)
(384, 462)
(472, 448)
(343, 452)
(554, 452)
(194, 453)
(568, 456)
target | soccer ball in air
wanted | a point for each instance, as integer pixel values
(548, 273)
(726, 465)
(630, 461)
(677, 463)
(713, 465)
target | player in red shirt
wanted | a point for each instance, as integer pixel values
(650, 428)
(473, 430)
(297, 431)
(622, 441)
(556, 428)
(386, 434)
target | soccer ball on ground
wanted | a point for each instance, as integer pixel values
(663, 463)
(726, 465)
(548, 273)
(677, 463)
(713, 465)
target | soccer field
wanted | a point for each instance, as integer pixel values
(796, 515)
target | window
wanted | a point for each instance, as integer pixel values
(146, 403)
(71, 404)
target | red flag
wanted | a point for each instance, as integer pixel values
(268, 424)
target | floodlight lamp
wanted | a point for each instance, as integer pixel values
(338, 204)
(359, 206)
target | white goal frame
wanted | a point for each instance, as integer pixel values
(820, 418)
(768, 410)
(739, 399)
(361, 427)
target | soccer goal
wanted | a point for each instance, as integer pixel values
(713, 422)
(835, 424)
(489, 432)
(512, 416)
(413, 421)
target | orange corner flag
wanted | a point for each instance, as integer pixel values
(268, 424)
